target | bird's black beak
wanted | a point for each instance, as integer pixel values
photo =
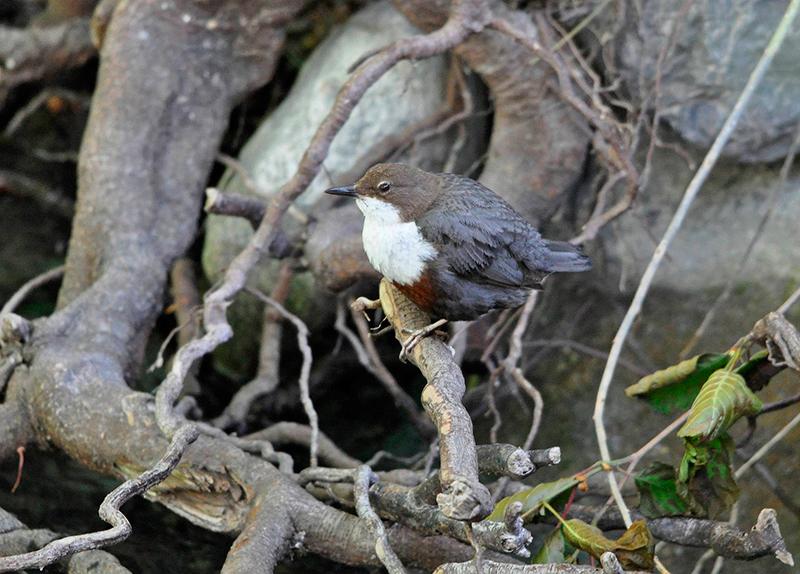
(349, 191)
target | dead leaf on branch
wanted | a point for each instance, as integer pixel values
(634, 548)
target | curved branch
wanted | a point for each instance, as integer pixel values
(30, 54)
(293, 433)
(16, 538)
(109, 512)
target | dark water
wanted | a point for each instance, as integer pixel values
(59, 494)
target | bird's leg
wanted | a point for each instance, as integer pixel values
(416, 335)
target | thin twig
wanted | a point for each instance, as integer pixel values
(793, 298)
(759, 454)
(20, 466)
(305, 369)
(778, 405)
(368, 356)
(109, 512)
(29, 286)
(677, 220)
(267, 375)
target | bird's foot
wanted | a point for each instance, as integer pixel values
(361, 304)
(416, 335)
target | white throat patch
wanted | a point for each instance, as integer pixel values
(396, 249)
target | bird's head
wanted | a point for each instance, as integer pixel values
(390, 191)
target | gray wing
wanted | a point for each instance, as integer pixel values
(483, 238)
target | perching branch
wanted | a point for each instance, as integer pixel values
(463, 497)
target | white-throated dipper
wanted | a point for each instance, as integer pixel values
(451, 245)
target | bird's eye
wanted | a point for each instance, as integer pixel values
(384, 186)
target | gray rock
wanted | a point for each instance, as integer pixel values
(409, 93)
(405, 95)
(716, 231)
(716, 46)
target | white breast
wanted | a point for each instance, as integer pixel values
(396, 249)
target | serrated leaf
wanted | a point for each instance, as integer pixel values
(723, 399)
(674, 388)
(634, 548)
(658, 491)
(552, 550)
(532, 498)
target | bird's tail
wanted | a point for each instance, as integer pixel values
(565, 257)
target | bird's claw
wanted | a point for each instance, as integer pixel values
(361, 304)
(416, 335)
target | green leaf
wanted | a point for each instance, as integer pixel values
(723, 399)
(674, 388)
(552, 550)
(659, 495)
(705, 479)
(532, 498)
(586, 537)
(634, 548)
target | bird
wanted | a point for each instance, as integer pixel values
(451, 245)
